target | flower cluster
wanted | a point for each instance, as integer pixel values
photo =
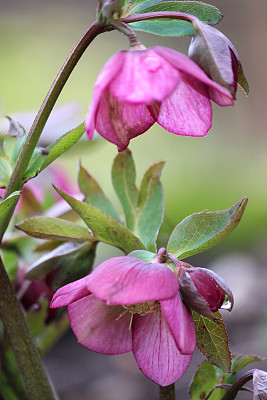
(127, 304)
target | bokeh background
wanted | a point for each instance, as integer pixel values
(201, 173)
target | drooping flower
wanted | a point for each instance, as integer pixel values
(203, 290)
(137, 88)
(126, 305)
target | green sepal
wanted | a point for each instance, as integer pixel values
(123, 180)
(174, 27)
(150, 206)
(52, 152)
(94, 195)
(55, 228)
(103, 227)
(212, 340)
(199, 232)
(70, 261)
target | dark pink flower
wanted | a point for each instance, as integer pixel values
(137, 88)
(126, 305)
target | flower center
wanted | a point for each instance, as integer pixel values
(139, 308)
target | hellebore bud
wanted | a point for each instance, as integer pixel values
(203, 290)
(217, 56)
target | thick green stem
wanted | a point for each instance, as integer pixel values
(15, 182)
(167, 392)
(20, 337)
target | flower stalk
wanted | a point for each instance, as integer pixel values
(25, 350)
(167, 392)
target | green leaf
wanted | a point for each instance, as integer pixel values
(70, 261)
(212, 340)
(55, 228)
(143, 255)
(103, 227)
(55, 150)
(206, 378)
(10, 260)
(36, 318)
(175, 27)
(5, 172)
(163, 27)
(6, 208)
(199, 232)
(123, 179)
(15, 150)
(52, 333)
(240, 362)
(139, 5)
(150, 205)
(95, 195)
(13, 141)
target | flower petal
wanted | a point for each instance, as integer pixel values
(188, 110)
(120, 122)
(108, 72)
(155, 350)
(129, 280)
(217, 93)
(181, 323)
(144, 77)
(98, 328)
(70, 293)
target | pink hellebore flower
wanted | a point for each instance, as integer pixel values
(126, 305)
(137, 88)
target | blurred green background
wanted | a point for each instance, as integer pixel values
(201, 173)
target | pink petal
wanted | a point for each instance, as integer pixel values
(144, 77)
(120, 122)
(110, 69)
(216, 92)
(188, 110)
(70, 293)
(181, 323)
(155, 350)
(96, 326)
(129, 280)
